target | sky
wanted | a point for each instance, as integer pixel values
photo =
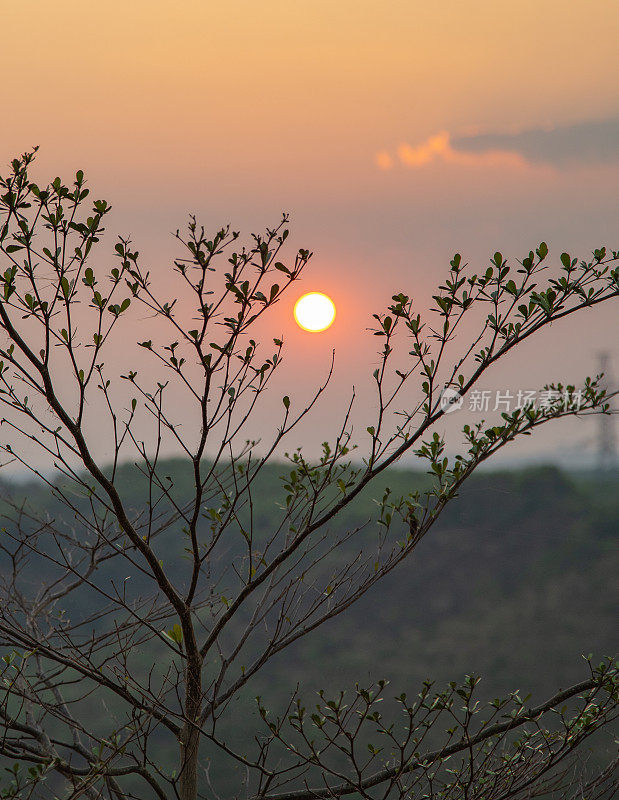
(394, 133)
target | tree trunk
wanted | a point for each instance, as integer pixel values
(188, 784)
(190, 733)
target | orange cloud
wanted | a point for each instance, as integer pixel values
(435, 147)
(438, 147)
(384, 160)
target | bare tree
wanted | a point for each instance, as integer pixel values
(96, 697)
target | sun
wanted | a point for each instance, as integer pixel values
(314, 312)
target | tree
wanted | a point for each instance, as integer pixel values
(208, 595)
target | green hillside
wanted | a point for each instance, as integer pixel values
(517, 581)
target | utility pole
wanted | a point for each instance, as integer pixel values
(607, 446)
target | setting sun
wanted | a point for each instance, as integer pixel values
(314, 312)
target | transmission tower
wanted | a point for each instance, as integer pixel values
(607, 446)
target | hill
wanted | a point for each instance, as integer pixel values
(517, 581)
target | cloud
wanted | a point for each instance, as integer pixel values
(585, 143)
(434, 147)
(439, 148)
(384, 160)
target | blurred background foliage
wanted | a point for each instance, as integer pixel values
(516, 583)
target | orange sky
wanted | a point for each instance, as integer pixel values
(244, 86)
(346, 114)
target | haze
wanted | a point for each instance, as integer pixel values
(394, 133)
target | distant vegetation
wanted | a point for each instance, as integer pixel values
(517, 582)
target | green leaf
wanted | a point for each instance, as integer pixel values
(176, 633)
